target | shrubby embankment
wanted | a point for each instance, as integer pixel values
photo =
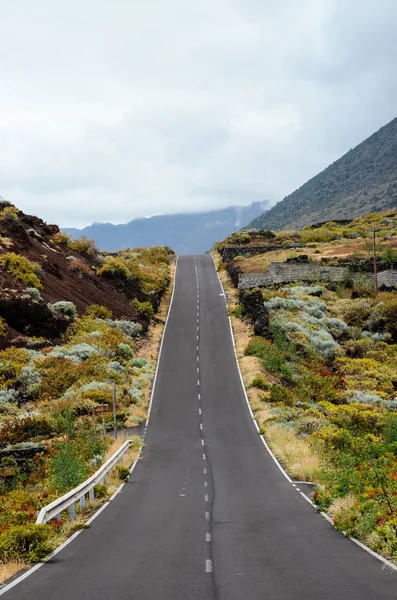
(77, 328)
(322, 378)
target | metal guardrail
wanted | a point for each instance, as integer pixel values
(79, 493)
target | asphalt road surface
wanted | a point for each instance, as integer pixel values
(207, 514)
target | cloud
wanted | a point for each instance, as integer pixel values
(115, 111)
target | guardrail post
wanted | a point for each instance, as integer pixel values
(58, 516)
(71, 512)
(91, 495)
(82, 501)
(104, 480)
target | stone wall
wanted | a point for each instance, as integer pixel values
(230, 252)
(254, 309)
(280, 273)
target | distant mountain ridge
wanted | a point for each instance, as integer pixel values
(363, 180)
(186, 233)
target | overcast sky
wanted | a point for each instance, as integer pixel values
(122, 109)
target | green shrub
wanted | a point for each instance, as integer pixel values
(139, 362)
(84, 246)
(273, 360)
(28, 543)
(280, 393)
(260, 383)
(3, 327)
(9, 214)
(22, 269)
(12, 361)
(123, 472)
(387, 311)
(96, 311)
(61, 238)
(390, 429)
(114, 267)
(144, 309)
(389, 255)
(67, 468)
(101, 490)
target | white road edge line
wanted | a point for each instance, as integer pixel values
(363, 546)
(15, 582)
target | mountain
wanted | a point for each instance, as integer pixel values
(363, 180)
(190, 233)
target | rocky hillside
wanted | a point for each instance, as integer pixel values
(79, 334)
(190, 233)
(363, 180)
(40, 267)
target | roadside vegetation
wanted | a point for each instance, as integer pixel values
(332, 243)
(322, 382)
(56, 395)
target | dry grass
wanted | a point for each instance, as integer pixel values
(8, 570)
(294, 452)
(116, 444)
(341, 505)
(259, 407)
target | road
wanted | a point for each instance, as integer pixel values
(207, 514)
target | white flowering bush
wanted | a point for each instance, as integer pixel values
(77, 353)
(64, 307)
(9, 397)
(130, 328)
(30, 380)
(135, 395)
(306, 289)
(307, 318)
(364, 397)
(34, 294)
(376, 337)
